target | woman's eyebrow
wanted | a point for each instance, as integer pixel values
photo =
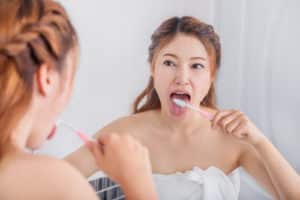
(171, 55)
(192, 58)
(197, 57)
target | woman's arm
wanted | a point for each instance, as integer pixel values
(260, 158)
(252, 162)
(83, 160)
(125, 161)
(284, 177)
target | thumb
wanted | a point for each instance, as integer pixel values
(89, 145)
(98, 153)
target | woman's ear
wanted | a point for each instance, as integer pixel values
(45, 79)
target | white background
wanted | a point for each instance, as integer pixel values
(260, 72)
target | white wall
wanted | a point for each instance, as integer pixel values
(114, 39)
(259, 72)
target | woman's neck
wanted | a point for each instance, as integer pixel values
(186, 124)
(20, 134)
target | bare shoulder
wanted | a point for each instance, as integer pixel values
(49, 178)
(62, 174)
(131, 124)
(228, 140)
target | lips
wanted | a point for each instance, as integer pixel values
(52, 133)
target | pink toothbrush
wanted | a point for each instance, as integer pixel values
(84, 137)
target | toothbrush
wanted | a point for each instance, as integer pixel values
(85, 138)
(183, 104)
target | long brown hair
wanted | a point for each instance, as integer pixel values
(148, 99)
(32, 32)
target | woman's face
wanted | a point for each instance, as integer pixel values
(181, 70)
(54, 103)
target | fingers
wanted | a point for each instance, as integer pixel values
(120, 150)
(241, 130)
(97, 150)
(232, 126)
(89, 145)
(230, 121)
(233, 122)
(105, 139)
(223, 118)
(240, 133)
(217, 117)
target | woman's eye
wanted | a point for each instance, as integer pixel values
(197, 66)
(169, 63)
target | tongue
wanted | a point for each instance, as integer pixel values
(175, 109)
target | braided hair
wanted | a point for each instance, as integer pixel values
(32, 33)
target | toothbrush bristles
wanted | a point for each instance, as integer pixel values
(183, 104)
(179, 102)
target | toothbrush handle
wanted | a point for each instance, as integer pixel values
(205, 114)
(85, 138)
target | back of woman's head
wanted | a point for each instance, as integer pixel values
(32, 33)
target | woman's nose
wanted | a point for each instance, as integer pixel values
(182, 76)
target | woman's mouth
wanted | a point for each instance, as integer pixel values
(52, 133)
(174, 108)
(182, 96)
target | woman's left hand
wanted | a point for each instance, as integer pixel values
(239, 125)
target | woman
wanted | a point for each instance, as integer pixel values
(192, 156)
(38, 51)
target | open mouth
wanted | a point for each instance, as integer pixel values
(175, 109)
(52, 133)
(180, 95)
